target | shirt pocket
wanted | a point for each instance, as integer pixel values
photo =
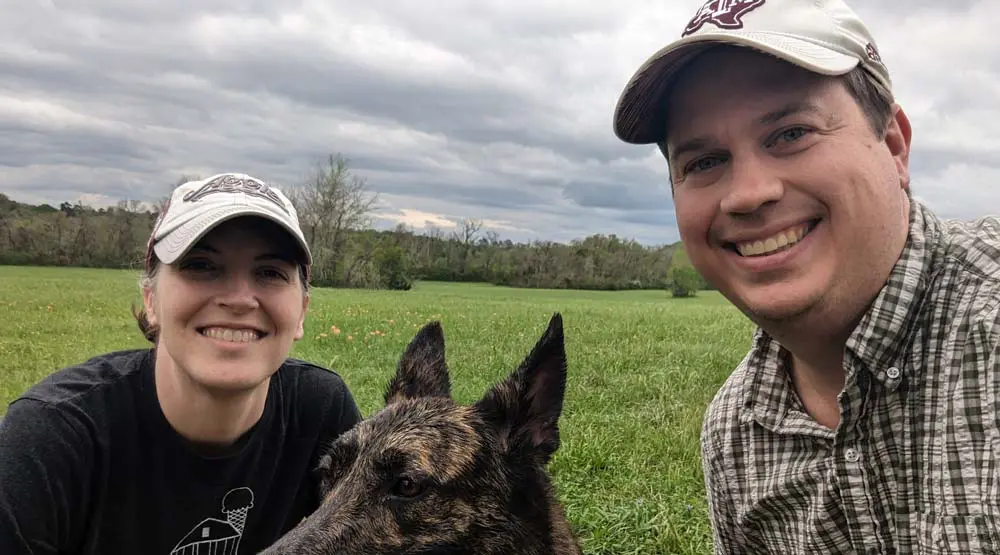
(955, 534)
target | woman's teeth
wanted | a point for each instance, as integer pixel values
(232, 335)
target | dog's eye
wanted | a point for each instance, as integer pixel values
(407, 487)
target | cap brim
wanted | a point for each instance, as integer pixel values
(169, 249)
(640, 115)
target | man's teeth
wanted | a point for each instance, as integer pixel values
(772, 244)
(229, 334)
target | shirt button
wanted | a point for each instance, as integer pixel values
(892, 372)
(852, 455)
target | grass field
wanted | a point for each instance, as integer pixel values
(642, 368)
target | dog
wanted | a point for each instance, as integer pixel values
(426, 475)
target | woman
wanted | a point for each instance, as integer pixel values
(206, 442)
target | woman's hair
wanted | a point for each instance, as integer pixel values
(147, 281)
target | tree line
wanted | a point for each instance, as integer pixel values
(336, 213)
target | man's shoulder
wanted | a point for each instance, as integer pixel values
(726, 408)
(975, 244)
(971, 249)
(74, 383)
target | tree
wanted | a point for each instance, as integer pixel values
(685, 281)
(161, 202)
(393, 268)
(330, 203)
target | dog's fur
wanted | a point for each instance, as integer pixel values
(426, 475)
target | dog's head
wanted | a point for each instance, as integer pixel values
(428, 475)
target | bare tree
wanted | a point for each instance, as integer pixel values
(465, 237)
(467, 231)
(331, 202)
(161, 202)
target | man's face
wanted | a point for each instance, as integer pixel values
(786, 199)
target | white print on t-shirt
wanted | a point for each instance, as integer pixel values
(219, 537)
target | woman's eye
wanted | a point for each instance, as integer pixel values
(197, 265)
(274, 273)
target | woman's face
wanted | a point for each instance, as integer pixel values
(229, 310)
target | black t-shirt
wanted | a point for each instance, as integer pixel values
(89, 465)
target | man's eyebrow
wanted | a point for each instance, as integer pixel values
(698, 143)
(790, 109)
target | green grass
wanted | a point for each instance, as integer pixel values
(642, 368)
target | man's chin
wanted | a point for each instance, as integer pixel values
(774, 309)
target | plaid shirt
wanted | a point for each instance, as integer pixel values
(914, 466)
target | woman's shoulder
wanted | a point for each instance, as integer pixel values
(77, 400)
(77, 381)
(305, 374)
(320, 392)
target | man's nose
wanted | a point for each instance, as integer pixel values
(753, 185)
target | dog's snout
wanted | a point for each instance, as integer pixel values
(325, 532)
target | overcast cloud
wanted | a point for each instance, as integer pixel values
(498, 110)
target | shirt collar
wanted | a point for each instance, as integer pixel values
(878, 339)
(885, 329)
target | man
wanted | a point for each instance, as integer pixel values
(865, 417)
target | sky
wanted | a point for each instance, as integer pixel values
(494, 110)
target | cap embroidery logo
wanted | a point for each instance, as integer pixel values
(872, 52)
(233, 184)
(725, 14)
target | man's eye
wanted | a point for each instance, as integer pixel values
(704, 163)
(789, 135)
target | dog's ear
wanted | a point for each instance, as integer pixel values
(525, 407)
(421, 371)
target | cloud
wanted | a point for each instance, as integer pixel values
(493, 110)
(418, 219)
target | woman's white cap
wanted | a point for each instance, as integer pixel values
(196, 207)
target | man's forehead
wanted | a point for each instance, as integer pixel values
(723, 66)
(758, 88)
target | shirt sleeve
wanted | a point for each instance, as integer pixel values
(350, 415)
(721, 511)
(43, 479)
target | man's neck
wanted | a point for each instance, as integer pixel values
(818, 386)
(816, 369)
(202, 416)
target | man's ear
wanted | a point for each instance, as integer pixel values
(897, 137)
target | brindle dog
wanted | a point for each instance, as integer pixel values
(426, 475)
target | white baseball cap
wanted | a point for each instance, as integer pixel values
(823, 36)
(196, 207)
